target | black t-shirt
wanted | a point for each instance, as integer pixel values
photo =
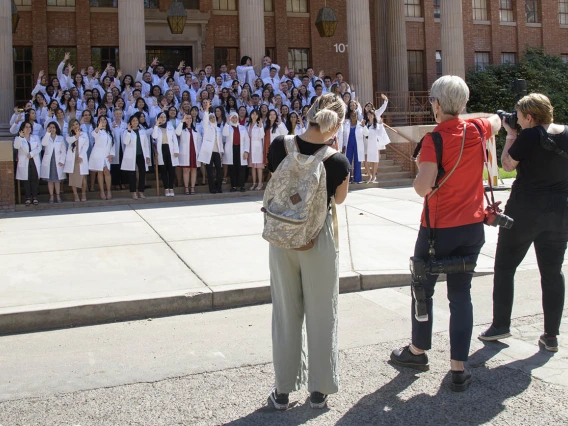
(540, 170)
(336, 167)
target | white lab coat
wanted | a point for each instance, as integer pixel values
(184, 144)
(55, 147)
(280, 131)
(117, 133)
(211, 134)
(361, 132)
(65, 81)
(129, 155)
(257, 145)
(172, 142)
(228, 131)
(24, 148)
(70, 157)
(102, 148)
(265, 72)
(63, 129)
(37, 129)
(246, 75)
(383, 137)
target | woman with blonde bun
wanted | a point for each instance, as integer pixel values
(306, 283)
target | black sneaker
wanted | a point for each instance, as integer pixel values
(460, 380)
(242, 189)
(494, 333)
(550, 343)
(233, 190)
(279, 400)
(318, 400)
(405, 358)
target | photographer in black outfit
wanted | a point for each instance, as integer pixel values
(538, 206)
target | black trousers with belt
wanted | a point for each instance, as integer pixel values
(167, 170)
(541, 220)
(236, 171)
(215, 183)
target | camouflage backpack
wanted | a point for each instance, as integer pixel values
(295, 199)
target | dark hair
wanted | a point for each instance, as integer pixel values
(244, 59)
(327, 77)
(124, 80)
(227, 106)
(82, 80)
(258, 117)
(99, 109)
(154, 87)
(196, 119)
(274, 126)
(99, 93)
(145, 108)
(223, 116)
(168, 114)
(92, 123)
(57, 129)
(35, 102)
(289, 122)
(107, 128)
(134, 116)
(23, 126)
(371, 111)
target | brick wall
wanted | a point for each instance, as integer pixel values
(7, 193)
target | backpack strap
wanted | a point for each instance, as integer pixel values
(438, 146)
(290, 144)
(324, 153)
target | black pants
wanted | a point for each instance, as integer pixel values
(31, 185)
(542, 220)
(167, 171)
(464, 240)
(141, 163)
(215, 185)
(236, 171)
(118, 176)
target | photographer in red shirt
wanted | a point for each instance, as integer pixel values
(455, 226)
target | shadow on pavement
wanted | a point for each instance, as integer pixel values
(481, 403)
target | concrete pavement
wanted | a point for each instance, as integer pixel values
(84, 266)
(214, 368)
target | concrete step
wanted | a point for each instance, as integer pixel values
(393, 168)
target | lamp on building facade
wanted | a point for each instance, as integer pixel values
(177, 17)
(326, 22)
(15, 17)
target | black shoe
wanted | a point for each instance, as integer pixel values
(494, 333)
(219, 191)
(233, 189)
(550, 343)
(405, 358)
(243, 189)
(279, 400)
(212, 191)
(318, 400)
(460, 380)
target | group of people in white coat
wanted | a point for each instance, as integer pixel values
(99, 128)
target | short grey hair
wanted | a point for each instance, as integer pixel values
(451, 92)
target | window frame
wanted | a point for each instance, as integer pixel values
(72, 59)
(477, 63)
(151, 4)
(217, 62)
(23, 3)
(297, 6)
(412, 75)
(217, 5)
(439, 69)
(563, 12)
(105, 3)
(27, 76)
(506, 14)
(413, 9)
(107, 56)
(505, 55)
(479, 10)
(68, 3)
(270, 4)
(437, 9)
(532, 16)
(299, 50)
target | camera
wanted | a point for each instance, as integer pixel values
(494, 217)
(510, 117)
(419, 271)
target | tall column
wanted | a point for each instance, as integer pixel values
(359, 49)
(131, 35)
(396, 47)
(251, 31)
(381, 12)
(451, 18)
(6, 66)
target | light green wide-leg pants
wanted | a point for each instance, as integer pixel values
(305, 283)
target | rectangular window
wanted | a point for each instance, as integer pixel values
(480, 10)
(564, 58)
(415, 70)
(271, 53)
(151, 4)
(508, 58)
(61, 2)
(436, 8)
(481, 60)
(23, 2)
(531, 11)
(23, 75)
(170, 56)
(56, 54)
(226, 56)
(438, 64)
(297, 6)
(506, 12)
(103, 3)
(268, 6)
(413, 8)
(101, 56)
(225, 4)
(191, 4)
(563, 12)
(298, 59)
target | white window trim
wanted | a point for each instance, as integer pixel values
(481, 22)
(414, 19)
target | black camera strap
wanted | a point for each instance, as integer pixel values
(547, 143)
(438, 184)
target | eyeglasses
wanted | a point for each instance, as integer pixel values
(432, 99)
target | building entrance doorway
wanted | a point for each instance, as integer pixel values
(170, 57)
